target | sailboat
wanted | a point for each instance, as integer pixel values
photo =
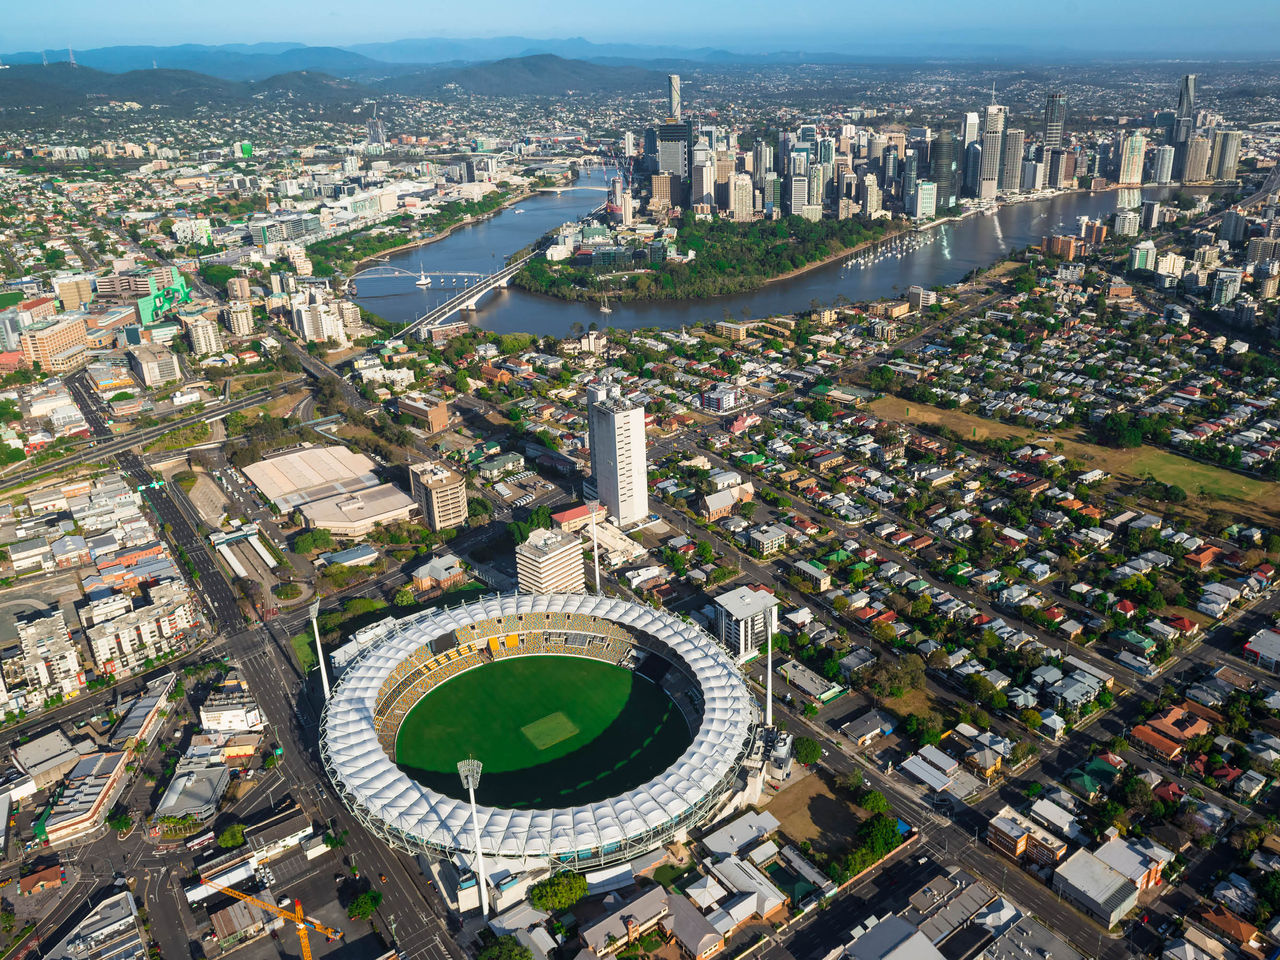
(423, 280)
(604, 306)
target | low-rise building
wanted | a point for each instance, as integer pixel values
(1095, 887)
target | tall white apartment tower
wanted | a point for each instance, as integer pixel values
(619, 461)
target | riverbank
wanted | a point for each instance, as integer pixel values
(754, 284)
(425, 241)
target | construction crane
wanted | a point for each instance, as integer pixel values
(300, 920)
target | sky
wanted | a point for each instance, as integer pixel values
(1177, 28)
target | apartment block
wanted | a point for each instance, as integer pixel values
(440, 492)
(550, 561)
(1019, 838)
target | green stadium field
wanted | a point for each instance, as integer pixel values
(551, 731)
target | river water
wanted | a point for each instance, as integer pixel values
(482, 248)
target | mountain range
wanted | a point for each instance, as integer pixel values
(250, 62)
(61, 86)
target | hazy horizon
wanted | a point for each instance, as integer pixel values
(1179, 29)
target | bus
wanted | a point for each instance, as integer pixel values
(200, 842)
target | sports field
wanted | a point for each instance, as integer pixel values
(551, 732)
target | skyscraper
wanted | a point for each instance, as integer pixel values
(702, 184)
(1132, 153)
(1225, 157)
(942, 167)
(1055, 118)
(1196, 167)
(673, 96)
(761, 160)
(1011, 168)
(968, 129)
(674, 148)
(993, 119)
(924, 200)
(742, 197)
(1183, 124)
(619, 464)
(1164, 163)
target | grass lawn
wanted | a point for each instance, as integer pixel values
(304, 648)
(11, 298)
(1227, 490)
(551, 731)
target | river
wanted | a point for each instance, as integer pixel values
(956, 249)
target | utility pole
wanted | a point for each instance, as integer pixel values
(469, 771)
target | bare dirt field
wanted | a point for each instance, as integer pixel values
(814, 809)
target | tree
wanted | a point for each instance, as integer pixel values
(873, 801)
(404, 597)
(1031, 718)
(232, 837)
(558, 892)
(505, 948)
(808, 751)
(363, 906)
(120, 821)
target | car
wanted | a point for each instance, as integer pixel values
(382, 877)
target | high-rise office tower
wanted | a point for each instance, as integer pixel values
(972, 168)
(817, 185)
(702, 184)
(942, 168)
(628, 144)
(910, 175)
(1225, 157)
(1055, 119)
(924, 201)
(619, 464)
(1196, 167)
(1133, 151)
(827, 151)
(1184, 122)
(673, 96)
(761, 160)
(872, 198)
(968, 129)
(875, 149)
(674, 145)
(993, 118)
(1011, 168)
(701, 151)
(889, 165)
(797, 194)
(1056, 172)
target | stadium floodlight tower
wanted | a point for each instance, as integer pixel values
(314, 610)
(594, 507)
(469, 771)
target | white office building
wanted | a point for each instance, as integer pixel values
(619, 463)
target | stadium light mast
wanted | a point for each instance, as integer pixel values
(315, 630)
(768, 681)
(469, 771)
(594, 507)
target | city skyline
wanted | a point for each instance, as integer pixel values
(1184, 29)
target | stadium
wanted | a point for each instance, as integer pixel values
(606, 729)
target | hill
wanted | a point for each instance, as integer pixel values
(236, 62)
(60, 86)
(539, 75)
